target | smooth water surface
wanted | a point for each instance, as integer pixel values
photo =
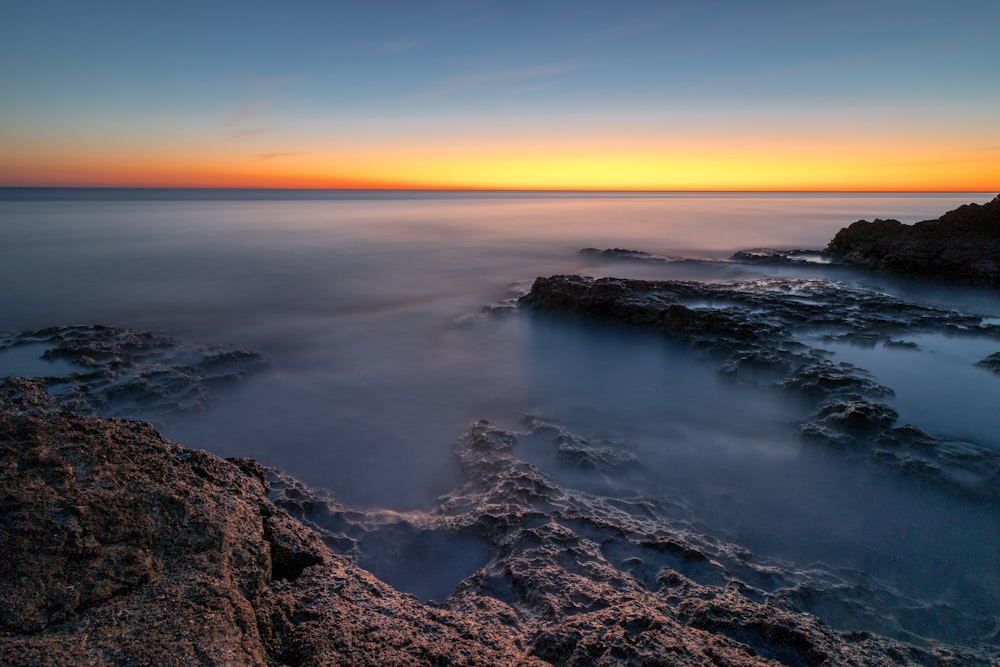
(368, 309)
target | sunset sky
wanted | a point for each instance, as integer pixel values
(867, 95)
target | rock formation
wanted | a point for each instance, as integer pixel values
(962, 245)
(755, 331)
(126, 372)
(121, 548)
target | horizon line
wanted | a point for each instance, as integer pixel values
(266, 188)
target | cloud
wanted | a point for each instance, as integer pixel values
(242, 134)
(245, 112)
(261, 157)
(506, 75)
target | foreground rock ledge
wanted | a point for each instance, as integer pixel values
(122, 548)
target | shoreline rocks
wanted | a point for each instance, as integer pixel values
(963, 245)
(116, 372)
(121, 547)
(756, 332)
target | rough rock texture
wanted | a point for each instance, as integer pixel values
(120, 548)
(126, 372)
(755, 330)
(962, 245)
(779, 256)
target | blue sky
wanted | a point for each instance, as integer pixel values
(271, 82)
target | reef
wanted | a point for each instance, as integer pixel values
(121, 547)
(116, 372)
(770, 332)
(963, 245)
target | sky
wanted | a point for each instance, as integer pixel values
(866, 95)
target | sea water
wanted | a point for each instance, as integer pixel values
(368, 309)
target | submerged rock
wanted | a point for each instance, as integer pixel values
(109, 371)
(123, 548)
(962, 245)
(991, 362)
(755, 331)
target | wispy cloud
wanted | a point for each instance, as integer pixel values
(505, 75)
(243, 134)
(261, 157)
(245, 112)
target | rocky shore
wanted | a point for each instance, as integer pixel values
(962, 245)
(120, 547)
(755, 332)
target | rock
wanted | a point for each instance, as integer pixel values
(962, 245)
(797, 257)
(615, 254)
(121, 547)
(754, 330)
(991, 362)
(126, 372)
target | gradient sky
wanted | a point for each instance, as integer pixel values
(873, 95)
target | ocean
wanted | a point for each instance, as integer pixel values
(368, 307)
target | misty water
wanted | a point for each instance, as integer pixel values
(368, 309)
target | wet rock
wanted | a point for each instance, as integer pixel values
(991, 362)
(962, 245)
(787, 257)
(755, 332)
(128, 373)
(123, 548)
(618, 254)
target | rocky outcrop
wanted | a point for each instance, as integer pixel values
(755, 330)
(962, 245)
(123, 548)
(110, 371)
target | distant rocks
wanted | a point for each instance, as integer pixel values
(778, 256)
(962, 245)
(618, 254)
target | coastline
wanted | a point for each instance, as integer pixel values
(139, 539)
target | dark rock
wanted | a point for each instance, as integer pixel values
(754, 330)
(629, 255)
(783, 257)
(120, 547)
(962, 245)
(991, 362)
(129, 373)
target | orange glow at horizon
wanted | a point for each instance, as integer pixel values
(558, 165)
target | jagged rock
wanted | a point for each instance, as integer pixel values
(991, 362)
(120, 547)
(962, 245)
(754, 330)
(629, 580)
(123, 548)
(777, 256)
(128, 373)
